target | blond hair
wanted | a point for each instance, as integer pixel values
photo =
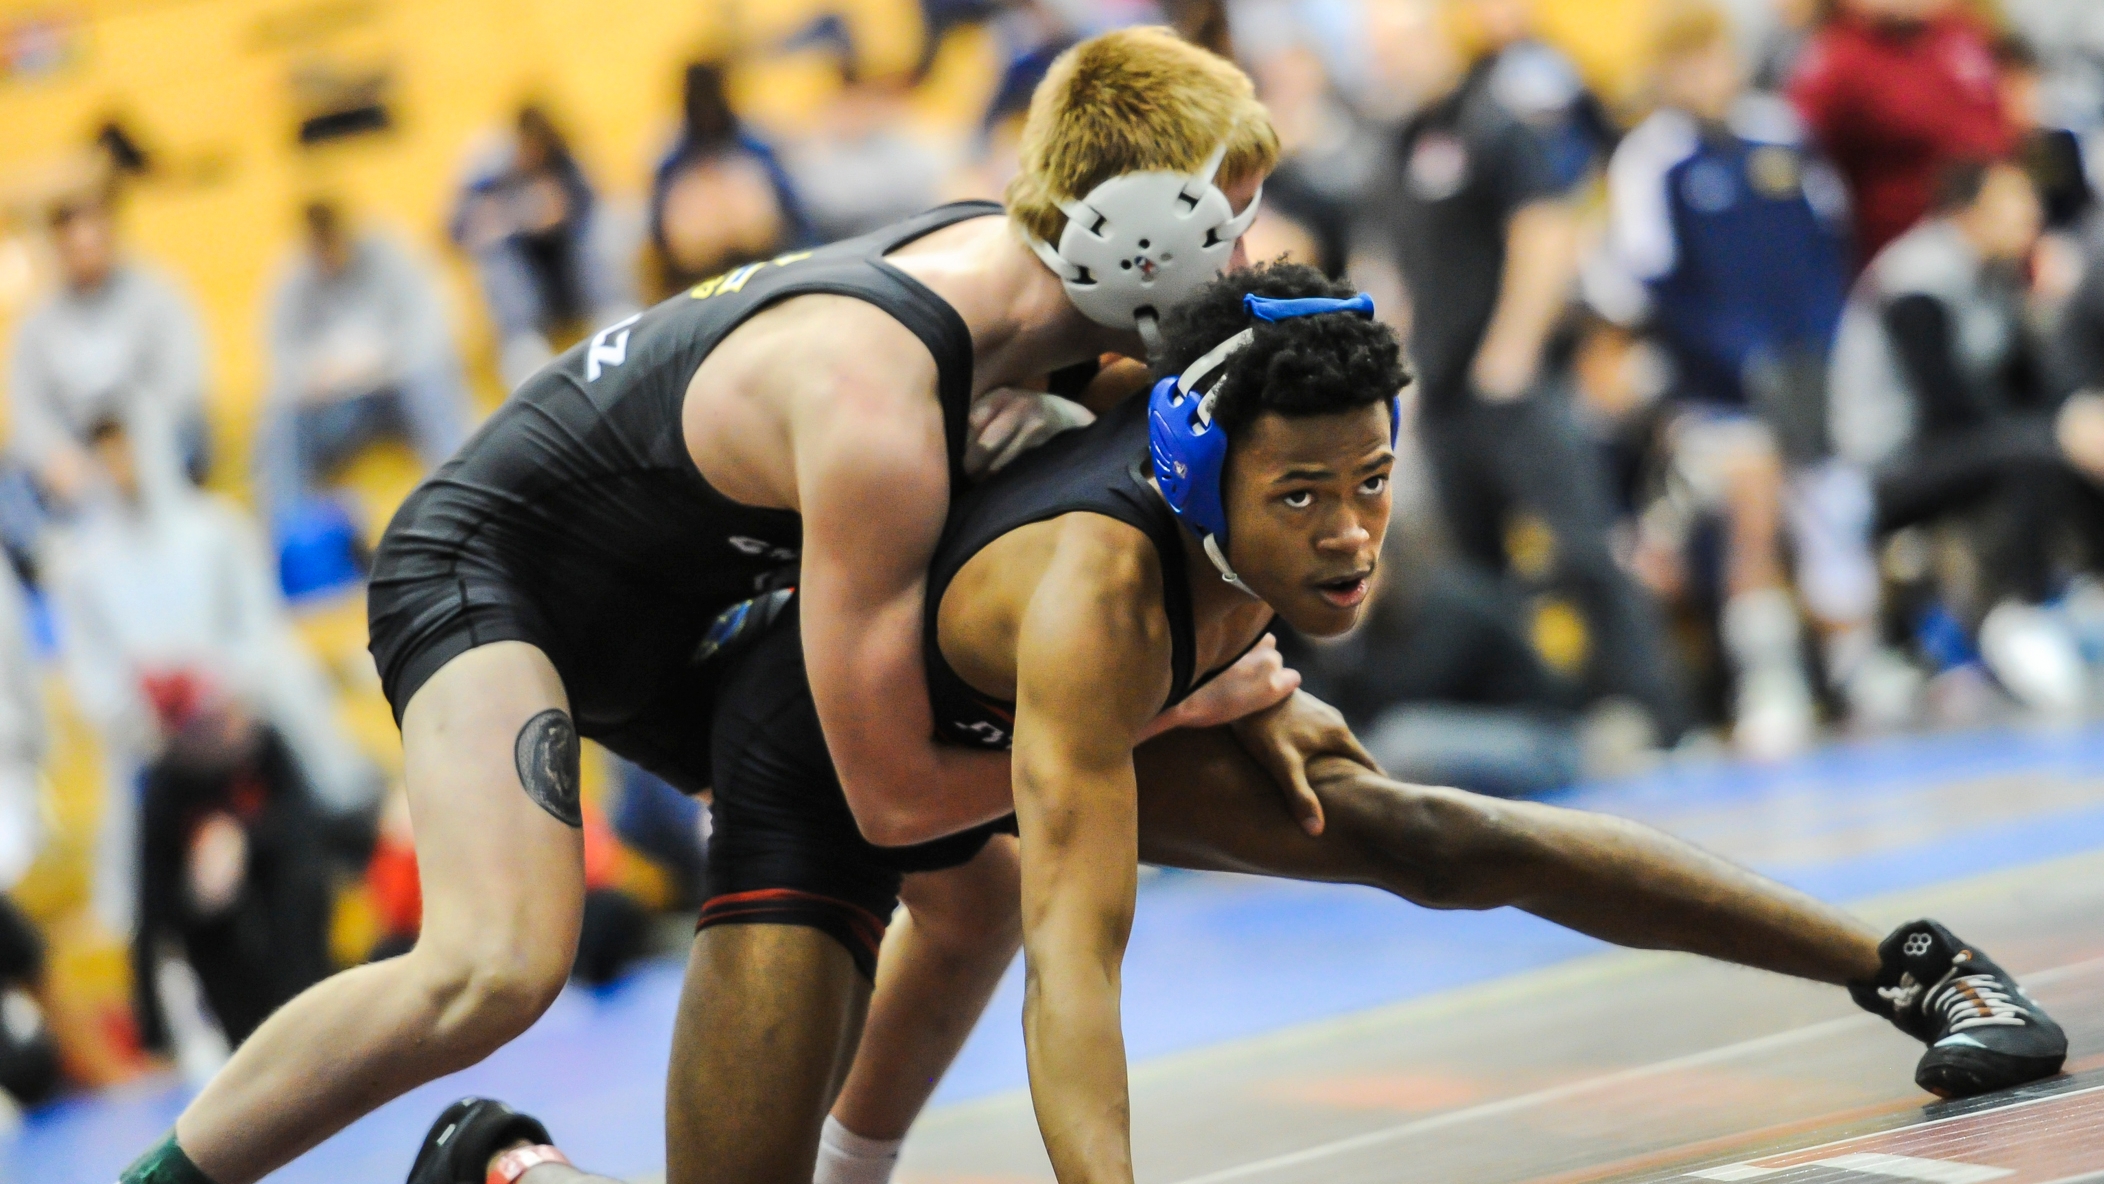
(1130, 101)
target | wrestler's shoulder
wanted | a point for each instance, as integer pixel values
(1104, 562)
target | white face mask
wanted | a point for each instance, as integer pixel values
(1141, 242)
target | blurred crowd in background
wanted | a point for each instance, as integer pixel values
(1762, 404)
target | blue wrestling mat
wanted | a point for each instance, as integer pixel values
(1217, 958)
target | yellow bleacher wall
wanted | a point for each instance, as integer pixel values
(1605, 38)
(212, 89)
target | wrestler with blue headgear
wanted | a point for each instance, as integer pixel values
(1081, 590)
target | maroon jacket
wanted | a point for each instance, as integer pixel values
(1893, 104)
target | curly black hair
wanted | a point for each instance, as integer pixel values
(1316, 365)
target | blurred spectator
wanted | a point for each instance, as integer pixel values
(22, 739)
(1938, 393)
(2076, 357)
(530, 220)
(1326, 161)
(1895, 92)
(720, 197)
(233, 879)
(29, 1065)
(2052, 155)
(670, 827)
(359, 349)
(158, 584)
(1032, 33)
(940, 18)
(29, 1056)
(862, 166)
(40, 1028)
(1473, 215)
(116, 339)
(1538, 85)
(391, 881)
(1202, 22)
(1444, 681)
(1726, 238)
(1784, 41)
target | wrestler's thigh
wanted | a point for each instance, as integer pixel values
(489, 759)
(1204, 804)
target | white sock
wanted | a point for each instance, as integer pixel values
(845, 1157)
(1760, 630)
(1847, 649)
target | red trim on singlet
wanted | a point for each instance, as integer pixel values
(868, 928)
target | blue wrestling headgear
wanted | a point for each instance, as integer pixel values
(1188, 445)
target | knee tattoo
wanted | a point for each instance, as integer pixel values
(547, 758)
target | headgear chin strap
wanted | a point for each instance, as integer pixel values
(1189, 447)
(1140, 242)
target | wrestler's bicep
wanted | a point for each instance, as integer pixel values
(873, 483)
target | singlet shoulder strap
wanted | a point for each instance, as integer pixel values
(931, 318)
(1166, 535)
(857, 268)
(890, 238)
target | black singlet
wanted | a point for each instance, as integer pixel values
(1099, 469)
(575, 518)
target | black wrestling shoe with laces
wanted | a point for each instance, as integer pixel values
(1983, 1031)
(459, 1146)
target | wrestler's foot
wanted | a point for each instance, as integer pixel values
(467, 1135)
(1983, 1031)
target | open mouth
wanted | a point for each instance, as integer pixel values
(1344, 591)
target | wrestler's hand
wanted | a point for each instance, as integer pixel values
(1008, 422)
(1284, 739)
(1258, 679)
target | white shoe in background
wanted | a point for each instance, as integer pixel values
(1964, 696)
(1883, 692)
(1773, 715)
(200, 1044)
(2035, 656)
(1617, 738)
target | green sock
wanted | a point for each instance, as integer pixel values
(165, 1164)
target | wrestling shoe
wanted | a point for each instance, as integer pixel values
(470, 1131)
(1983, 1032)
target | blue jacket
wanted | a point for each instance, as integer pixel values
(1729, 240)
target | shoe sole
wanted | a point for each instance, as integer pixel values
(1965, 1072)
(429, 1150)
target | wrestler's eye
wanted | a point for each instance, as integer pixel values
(1373, 486)
(1299, 499)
